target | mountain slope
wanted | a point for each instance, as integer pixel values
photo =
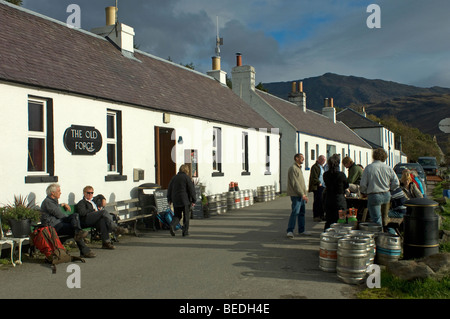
(348, 90)
(422, 108)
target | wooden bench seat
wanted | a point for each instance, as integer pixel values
(129, 212)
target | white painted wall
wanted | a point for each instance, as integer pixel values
(75, 172)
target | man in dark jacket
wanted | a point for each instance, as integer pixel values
(181, 193)
(92, 216)
(316, 185)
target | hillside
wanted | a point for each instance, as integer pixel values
(423, 111)
(349, 90)
(422, 108)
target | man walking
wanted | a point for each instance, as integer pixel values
(316, 185)
(296, 189)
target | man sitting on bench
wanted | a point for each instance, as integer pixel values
(64, 225)
(92, 216)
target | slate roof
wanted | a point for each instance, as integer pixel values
(41, 52)
(313, 123)
(355, 120)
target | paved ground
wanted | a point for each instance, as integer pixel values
(243, 254)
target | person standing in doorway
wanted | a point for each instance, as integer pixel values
(181, 193)
(316, 186)
(296, 189)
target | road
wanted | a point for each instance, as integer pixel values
(243, 254)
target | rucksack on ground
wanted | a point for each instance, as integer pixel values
(47, 241)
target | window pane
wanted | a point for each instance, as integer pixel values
(110, 126)
(36, 155)
(35, 117)
(111, 154)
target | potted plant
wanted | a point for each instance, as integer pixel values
(19, 216)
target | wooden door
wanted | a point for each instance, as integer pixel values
(164, 147)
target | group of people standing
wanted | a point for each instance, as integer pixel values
(330, 185)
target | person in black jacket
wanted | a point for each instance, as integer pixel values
(92, 216)
(336, 184)
(181, 193)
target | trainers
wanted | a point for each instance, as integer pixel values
(90, 254)
(305, 233)
(172, 231)
(108, 245)
(80, 235)
(290, 234)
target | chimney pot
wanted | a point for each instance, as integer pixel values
(326, 102)
(300, 86)
(215, 63)
(294, 87)
(238, 59)
(111, 15)
(331, 102)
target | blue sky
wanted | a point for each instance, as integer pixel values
(286, 40)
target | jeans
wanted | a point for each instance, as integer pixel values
(378, 206)
(298, 213)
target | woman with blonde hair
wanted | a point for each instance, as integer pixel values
(408, 186)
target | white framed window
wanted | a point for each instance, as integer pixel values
(245, 166)
(217, 150)
(267, 138)
(111, 142)
(37, 137)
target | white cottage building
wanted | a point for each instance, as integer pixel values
(302, 130)
(374, 133)
(80, 108)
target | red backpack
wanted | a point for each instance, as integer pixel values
(47, 241)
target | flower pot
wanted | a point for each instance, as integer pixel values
(20, 228)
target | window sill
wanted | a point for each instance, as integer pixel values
(245, 174)
(115, 178)
(267, 173)
(40, 179)
(217, 174)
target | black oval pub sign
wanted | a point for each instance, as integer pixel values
(82, 140)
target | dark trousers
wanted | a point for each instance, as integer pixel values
(182, 212)
(317, 204)
(68, 226)
(102, 220)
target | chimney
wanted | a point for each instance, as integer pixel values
(238, 59)
(243, 78)
(364, 111)
(298, 96)
(216, 72)
(329, 110)
(119, 33)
